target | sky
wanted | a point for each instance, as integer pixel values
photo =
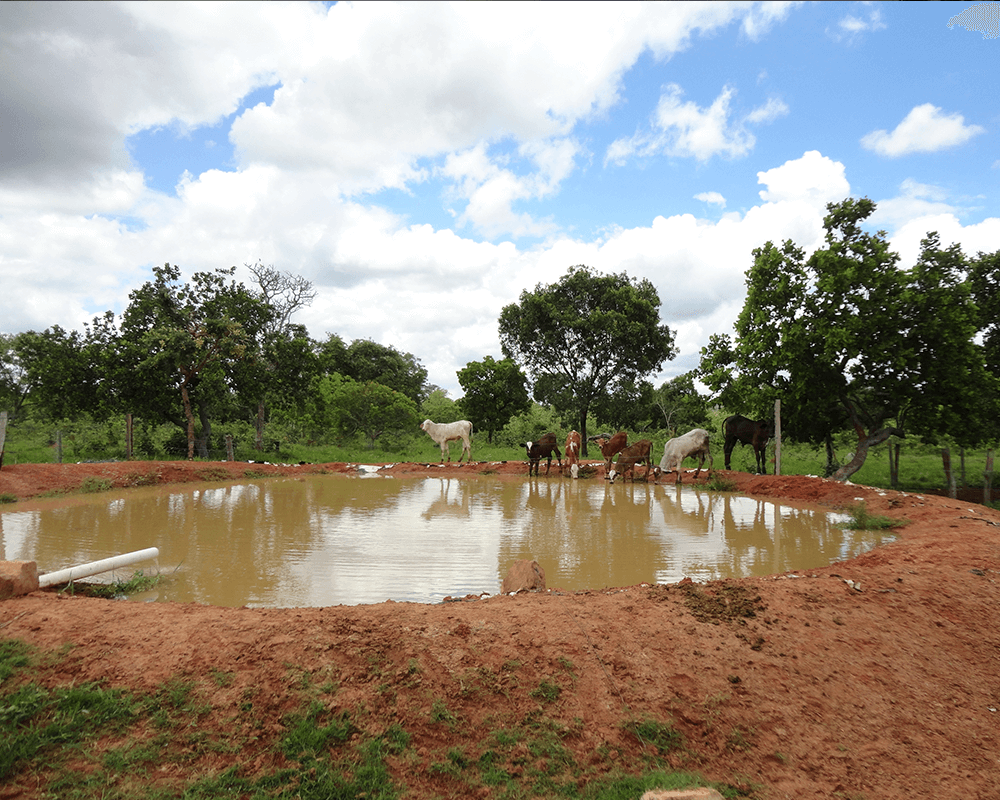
(424, 164)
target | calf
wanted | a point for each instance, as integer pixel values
(693, 444)
(543, 448)
(573, 453)
(638, 453)
(747, 431)
(442, 433)
(610, 445)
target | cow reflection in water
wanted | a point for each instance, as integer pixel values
(452, 502)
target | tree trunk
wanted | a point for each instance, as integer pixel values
(206, 430)
(259, 444)
(189, 416)
(865, 443)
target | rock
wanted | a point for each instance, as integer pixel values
(702, 793)
(524, 576)
(17, 578)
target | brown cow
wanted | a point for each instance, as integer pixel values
(544, 447)
(573, 453)
(755, 433)
(638, 453)
(610, 446)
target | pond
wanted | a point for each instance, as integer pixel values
(329, 540)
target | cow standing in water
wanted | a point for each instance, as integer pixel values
(747, 431)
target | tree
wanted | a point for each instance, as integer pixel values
(183, 336)
(949, 383)
(368, 408)
(843, 337)
(63, 372)
(438, 407)
(283, 357)
(14, 381)
(680, 405)
(984, 280)
(495, 391)
(282, 292)
(585, 338)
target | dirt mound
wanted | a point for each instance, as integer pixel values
(877, 677)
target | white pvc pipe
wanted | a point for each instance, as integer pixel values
(95, 567)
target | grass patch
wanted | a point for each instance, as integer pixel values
(139, 582)
(8, 498)
(93, 485)
(547, 691)
(150, 478)
(213, 474)
(861, 520)
(661, 735)
(718, 483)
(441, 713)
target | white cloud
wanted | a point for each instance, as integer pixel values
(914, 200)
(712, 198)
(684, 129)
(490, 190)
(814, 178)
(926, 129)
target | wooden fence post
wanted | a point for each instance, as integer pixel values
(894, 466)
(229, 447)
(777, 437)
(3, 434)
(59, 447)
(948, 475)
(988, 478)
(128, 437)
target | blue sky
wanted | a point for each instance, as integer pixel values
(423, 164)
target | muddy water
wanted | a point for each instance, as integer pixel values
(327, 540)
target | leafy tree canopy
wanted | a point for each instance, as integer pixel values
(847, 338)
(495, 391)
(183, 335)
(585, 338)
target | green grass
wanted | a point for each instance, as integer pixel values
(85, 741)
(920, 467)
(861, 520)
(136, 584)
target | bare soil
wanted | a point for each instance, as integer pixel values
(874, 678)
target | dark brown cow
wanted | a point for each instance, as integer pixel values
(610, 446)
(638, 453)
(543, 448)
(747, 431)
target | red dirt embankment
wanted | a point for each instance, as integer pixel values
(886, 688)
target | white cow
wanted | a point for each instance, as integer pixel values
(444, 432)
(692, 444)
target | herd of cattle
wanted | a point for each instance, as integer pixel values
(693, 444)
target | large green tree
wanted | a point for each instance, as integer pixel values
(846, 338)
(181, 338)
(494, 391)
(586, 337)
(64, 373)
(352, 408)
(366, 360)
